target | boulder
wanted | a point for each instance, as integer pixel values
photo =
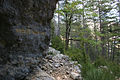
(25, 26)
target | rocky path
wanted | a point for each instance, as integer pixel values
(60, 66)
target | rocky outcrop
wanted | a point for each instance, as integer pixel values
(24, 35)
(25, 26)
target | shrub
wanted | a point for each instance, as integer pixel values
(91, 70)
(100, 61)
(74, 54)
(77, 55)
(98, 74)
(57, 44)
(114, 68)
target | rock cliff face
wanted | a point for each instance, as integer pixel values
(24, 35)
(25, 26)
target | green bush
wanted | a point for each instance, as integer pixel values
(91, 70)
(100, 61)
(98, 74)
(77, 55)
(85, 68)
(114, 68)
(74, 54)
(57, 44)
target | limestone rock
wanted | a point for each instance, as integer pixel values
(25, 26)
(24, 35)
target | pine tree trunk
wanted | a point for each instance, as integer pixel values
(58, 33)
(108, 49)
(95, 30)
(111, 50)
(113, 56)
(101, 30)
(66, 33)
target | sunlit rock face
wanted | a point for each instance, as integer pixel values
(25, 26)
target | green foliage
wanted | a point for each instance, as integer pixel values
(60, 12)
(86, 67)
(57, 43)
(100, 61)
(114, 68)
(99, 34)
(111, 66)
(98, 74)
(75, 54)
(92, 70)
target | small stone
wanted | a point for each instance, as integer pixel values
(61, 64)
(77, 69)
(51, 71)
(67, 72)
(51, 61)
(80, 65)
(74, 75)
(75, 62)
(72, 62)
(52, 50)
(49, 57)
(44, 68)
(57, 65)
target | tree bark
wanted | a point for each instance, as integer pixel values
(108, 50)
(58, 33)
(66, 34)
(101, 29)
(68, 29)
(113, 56)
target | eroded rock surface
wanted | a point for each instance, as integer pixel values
(25, 26)
(24, 35)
